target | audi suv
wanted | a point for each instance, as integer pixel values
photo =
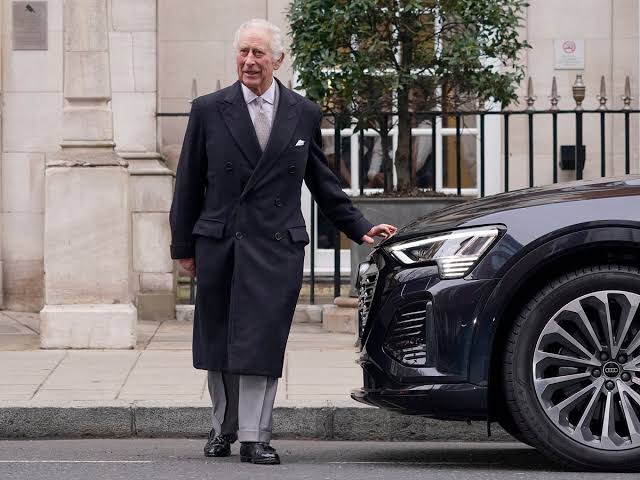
(519, 308)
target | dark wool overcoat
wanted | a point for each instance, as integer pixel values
(236, 210)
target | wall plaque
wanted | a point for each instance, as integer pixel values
(568, 54)
(30, 25)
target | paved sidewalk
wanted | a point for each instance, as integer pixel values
(319, 366)
(154, 391)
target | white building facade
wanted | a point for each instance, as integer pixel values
(86, 163)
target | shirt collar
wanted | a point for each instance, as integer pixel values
(268, 96)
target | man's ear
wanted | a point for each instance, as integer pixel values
(278, 63)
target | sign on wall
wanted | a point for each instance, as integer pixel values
(569, 54)
(30, 25)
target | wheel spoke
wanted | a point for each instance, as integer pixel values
(607, 325)
(625, 329)
(555, 328)
(561, 381)
(556, 411)
(609, 435)
(587, 415)
(576, 307)
(565, 360)
(633, 424)
(629, 391)
(634, 343)
(632, 366)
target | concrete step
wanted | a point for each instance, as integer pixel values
(341, 316)
(304, 313)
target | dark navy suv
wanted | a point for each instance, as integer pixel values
(521, 309)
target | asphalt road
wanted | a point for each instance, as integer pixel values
(173, 459)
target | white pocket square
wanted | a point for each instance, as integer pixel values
(299, 143)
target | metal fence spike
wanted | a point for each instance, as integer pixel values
(602, 97)
(626, 98)
(530, 96)
(555, 98)
(579, 91)
(194, 89)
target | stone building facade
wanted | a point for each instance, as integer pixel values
(86, 165)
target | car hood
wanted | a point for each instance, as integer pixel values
(472, 211)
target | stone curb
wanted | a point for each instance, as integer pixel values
(163, 419)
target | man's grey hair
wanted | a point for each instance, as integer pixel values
(277, 41)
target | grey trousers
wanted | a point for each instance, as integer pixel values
(243, 404)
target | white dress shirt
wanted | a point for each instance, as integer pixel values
(268, 98)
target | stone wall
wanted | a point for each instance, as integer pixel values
(611, 34)
(156, 48)
(195, 41)
(133, 61)
(32, 128)
(32, 83)
(132, 55)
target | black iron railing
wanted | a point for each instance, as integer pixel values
(436, 119)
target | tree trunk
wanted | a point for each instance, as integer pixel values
(403, 152)
(387, 161)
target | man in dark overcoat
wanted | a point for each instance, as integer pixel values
(236, 223)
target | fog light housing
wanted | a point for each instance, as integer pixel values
(410, 338)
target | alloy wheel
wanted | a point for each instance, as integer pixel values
(586, 370)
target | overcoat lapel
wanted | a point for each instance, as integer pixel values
(284, 125)
(238, 120)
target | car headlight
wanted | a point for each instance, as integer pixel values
(455, 252)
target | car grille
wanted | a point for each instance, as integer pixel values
(409, 333)
(366, 288)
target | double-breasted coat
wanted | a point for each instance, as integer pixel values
(236, 210)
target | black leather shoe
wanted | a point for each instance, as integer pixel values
(219, 445)
(258, 453)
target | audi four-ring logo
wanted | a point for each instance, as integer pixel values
(611, 370)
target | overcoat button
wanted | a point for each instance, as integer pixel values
(278, 202)
(278, 236)
(228, 166)
(292, 169)
(239, 235)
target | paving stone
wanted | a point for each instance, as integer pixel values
(28, 319)
(19, 342)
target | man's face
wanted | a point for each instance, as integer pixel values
(254, 59)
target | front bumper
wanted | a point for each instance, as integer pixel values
(416, 342)
(460, 401)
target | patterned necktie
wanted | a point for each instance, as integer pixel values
(262, 123)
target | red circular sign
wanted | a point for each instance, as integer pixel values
(569, 46)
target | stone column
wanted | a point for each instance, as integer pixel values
(153, 278)
(1, 150)
(133, 60)
(87, 234)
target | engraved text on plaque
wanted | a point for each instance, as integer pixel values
(30, 25)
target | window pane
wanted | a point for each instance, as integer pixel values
(328, 147)
(467, 154)
(326, 234)
(422, 152)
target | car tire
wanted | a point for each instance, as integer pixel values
(560, 398)
(509, 426)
